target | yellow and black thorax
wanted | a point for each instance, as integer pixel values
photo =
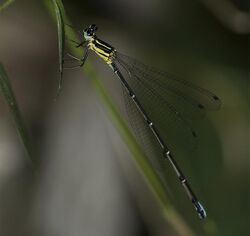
(102, 49)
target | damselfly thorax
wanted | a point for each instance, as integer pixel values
(102, 49)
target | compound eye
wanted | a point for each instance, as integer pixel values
(88, 31)
(93, 27)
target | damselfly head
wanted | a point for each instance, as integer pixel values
(90, 31)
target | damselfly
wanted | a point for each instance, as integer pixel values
(149, 92)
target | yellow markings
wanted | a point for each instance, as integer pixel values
(106, 56)
(103, 44)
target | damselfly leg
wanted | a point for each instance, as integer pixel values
(77, 44)
(74, 59)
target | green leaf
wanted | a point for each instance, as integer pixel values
(5, 4)
(6, 90)
(61, 38)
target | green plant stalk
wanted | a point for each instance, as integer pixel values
(60, 31)
(5, 4)
(7, 91)
(143, 165)
(145, 168)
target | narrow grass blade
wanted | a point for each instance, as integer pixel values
(5, 4)
(6, 90)
(61, 38)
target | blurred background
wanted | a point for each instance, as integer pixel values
(87, 183)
